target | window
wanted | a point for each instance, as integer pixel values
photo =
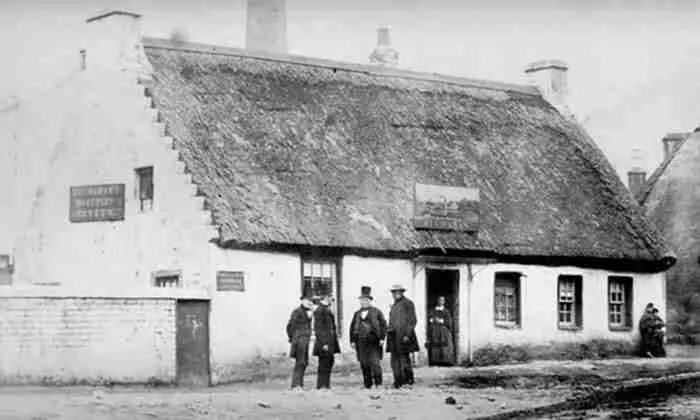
(320, 278)
(167, 279)
(144, 188)
(570, 302)
(620, 302)
(507, 299)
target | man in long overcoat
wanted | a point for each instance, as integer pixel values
(401, 338)
(367, 334)
(326, 345)
(299, 334)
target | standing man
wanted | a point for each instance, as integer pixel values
(367, 333)
(326, 345)
(299, 334)
(401, 338)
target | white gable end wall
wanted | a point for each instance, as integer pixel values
(103, 132)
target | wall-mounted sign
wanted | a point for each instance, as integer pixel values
(440, 207)
(230, 281)
(97, 203)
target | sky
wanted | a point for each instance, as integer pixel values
(634, 64)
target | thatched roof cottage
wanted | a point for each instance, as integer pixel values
(220, 183)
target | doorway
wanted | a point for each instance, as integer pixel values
(192, 345)
(444, 282)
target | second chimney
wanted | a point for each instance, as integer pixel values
(266, 26)
(384, 54)
(672, 141)
(636, 178)
(549, 76)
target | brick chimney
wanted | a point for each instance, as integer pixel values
(550, 78)
(266, 26)
(114, 44)
(384, 54)
(672, 141)
(636, 177)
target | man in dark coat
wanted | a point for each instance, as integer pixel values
(326, 345)
(299, 334)
(401, 338)
(367, 334)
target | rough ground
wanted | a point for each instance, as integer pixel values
(477, 392)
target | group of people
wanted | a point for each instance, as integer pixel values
(651, 331)
(370, 334)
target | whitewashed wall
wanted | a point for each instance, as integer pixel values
(102, 131)
(539, 305)
(252, 322)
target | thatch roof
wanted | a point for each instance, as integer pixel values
(671, 199)
(295, 151)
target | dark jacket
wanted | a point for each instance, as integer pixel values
(375, 330)
(401, 336)
(298, 331)
(325, 332)
(367, 334)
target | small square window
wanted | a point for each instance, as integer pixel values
(166, 279)
(320, 277)
(507, 300)
(144, 188)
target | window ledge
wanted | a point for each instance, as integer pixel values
(507, 325)
(620, 328)
(570, 328)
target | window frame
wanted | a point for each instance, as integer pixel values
(576, 302)
(166, 273)
(318, 257)
(626, 294)
(145, 204)
(516, 279)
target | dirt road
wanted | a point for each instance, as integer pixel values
(476, 392)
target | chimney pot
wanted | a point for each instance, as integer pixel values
(384, 54)
(672, 141)
(266, 26)
(550, 78)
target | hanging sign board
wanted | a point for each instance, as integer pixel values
(97, 203)
(439, 207)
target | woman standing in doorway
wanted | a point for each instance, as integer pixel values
(440, 343)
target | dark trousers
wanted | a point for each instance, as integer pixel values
(325, 365)
(369, 355)
(403, 369)
(300, 353)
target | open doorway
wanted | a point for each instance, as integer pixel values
(443, 283)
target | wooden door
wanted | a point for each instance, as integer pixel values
(192, 350)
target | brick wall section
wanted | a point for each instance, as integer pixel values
(86, 340)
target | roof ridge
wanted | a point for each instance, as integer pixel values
(161, 43)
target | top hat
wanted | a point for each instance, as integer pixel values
(366, 292)
(397, 288)
(307, 295)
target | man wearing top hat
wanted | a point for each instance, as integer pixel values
(299, 334)
(401, 337)
(367, 333)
